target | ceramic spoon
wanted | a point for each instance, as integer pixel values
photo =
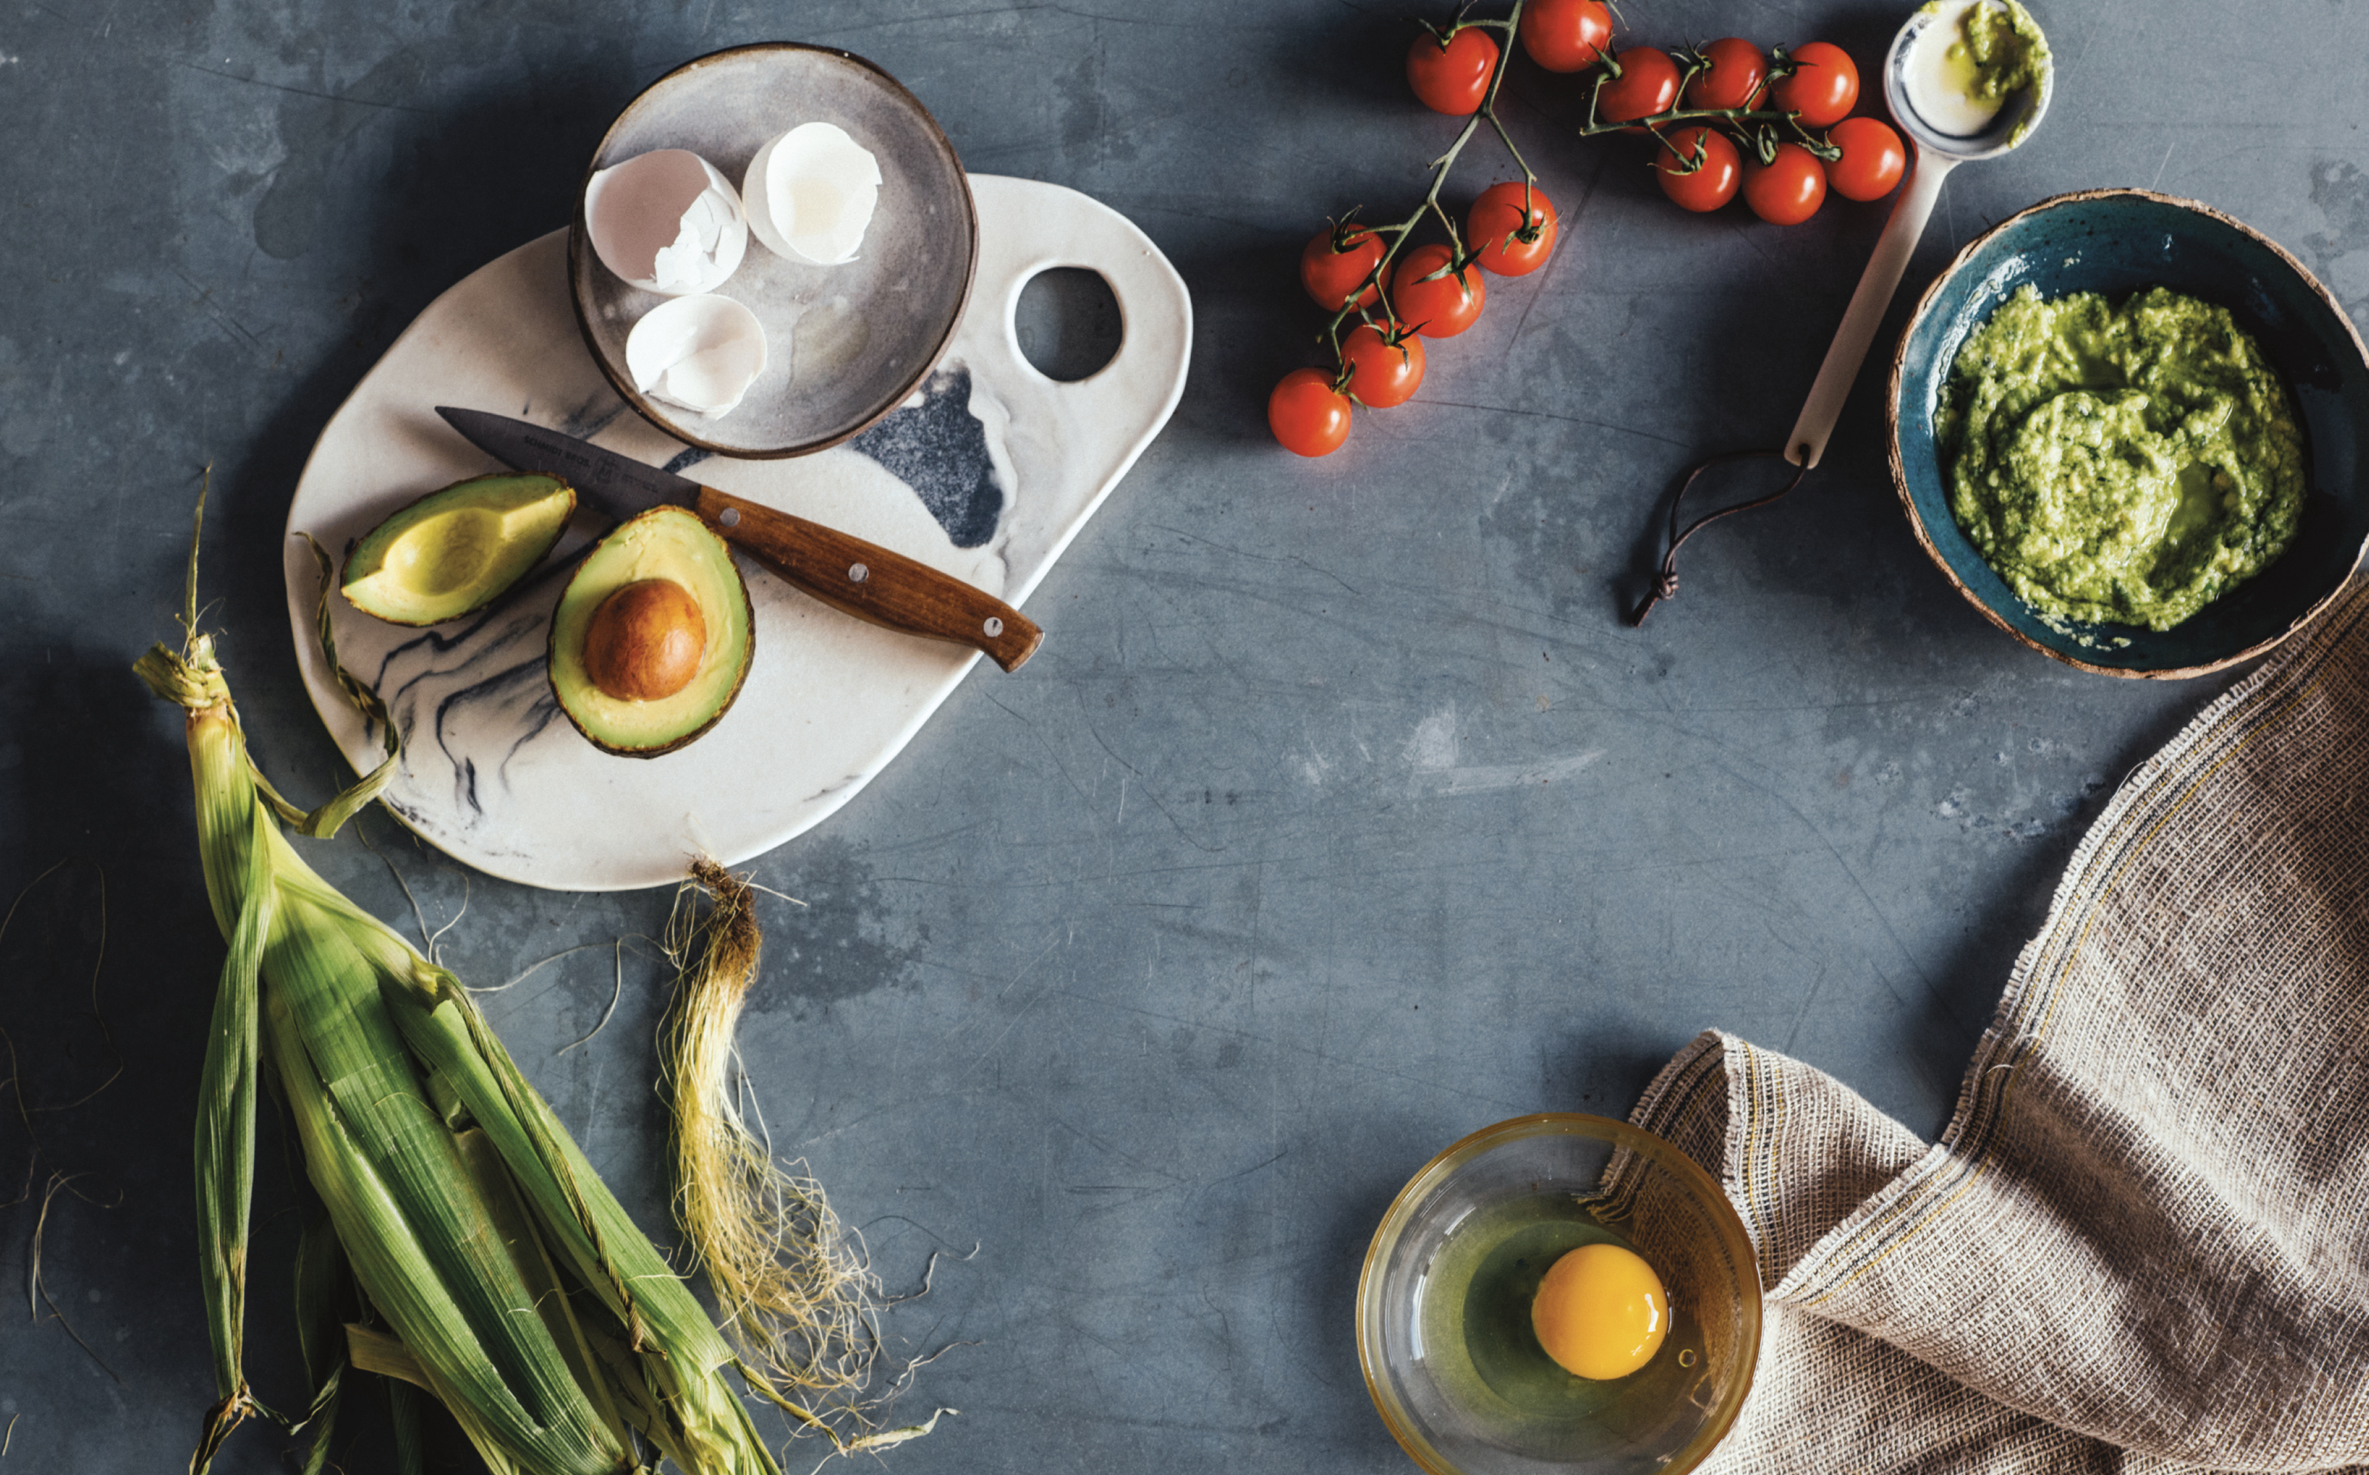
(1937, 153)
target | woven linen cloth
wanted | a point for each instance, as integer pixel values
(2142, 1245)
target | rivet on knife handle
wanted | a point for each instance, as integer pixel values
(870, 582)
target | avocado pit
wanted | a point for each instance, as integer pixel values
(645, 641)
(651, 639)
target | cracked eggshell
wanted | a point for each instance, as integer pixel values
(811, 193)
(697, 353)
(667, 221)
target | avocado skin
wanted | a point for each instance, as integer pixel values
(719, 580)
(511, 490)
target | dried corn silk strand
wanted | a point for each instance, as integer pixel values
(794, 1286)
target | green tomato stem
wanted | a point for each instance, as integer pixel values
(1378, 278)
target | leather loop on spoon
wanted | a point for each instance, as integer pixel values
(1665, 582)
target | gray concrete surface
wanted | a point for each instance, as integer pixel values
(1339, 816)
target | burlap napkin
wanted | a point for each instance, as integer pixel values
(2143, 1243)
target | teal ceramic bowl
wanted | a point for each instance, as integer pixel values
(2117, 242)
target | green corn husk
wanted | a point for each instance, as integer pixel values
(498, 1271)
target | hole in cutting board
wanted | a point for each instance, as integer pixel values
(1067, 322)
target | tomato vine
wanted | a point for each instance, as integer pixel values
(1379, 285)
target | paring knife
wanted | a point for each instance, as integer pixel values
(863, 579)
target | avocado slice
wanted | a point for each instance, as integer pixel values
(652, 637)
(453, 552)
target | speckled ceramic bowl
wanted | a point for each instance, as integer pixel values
(2116, 242)
(1442, 1313)
(848, 343)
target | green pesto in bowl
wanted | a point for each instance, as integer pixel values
(2129, 463)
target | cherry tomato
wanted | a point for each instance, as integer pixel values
(1493, 224)
(1565, 35)
(1789, 189)
(1441, 308)
(1452, 77)
(1708, 187)
(1738, 72)
(1647, 84)
(1336, 261)
(1872, 162)
(1385, 369)
(1823, 88)
(1308, 415)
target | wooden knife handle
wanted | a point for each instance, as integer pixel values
(871, 582)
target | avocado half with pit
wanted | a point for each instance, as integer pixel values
(652, 639)
(455, 551)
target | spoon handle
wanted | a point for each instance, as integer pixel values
(1849, 349)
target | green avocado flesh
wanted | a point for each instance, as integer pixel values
(2127, 464)
(453, 552)
(664, 543)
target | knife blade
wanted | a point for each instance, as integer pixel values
(843, 571)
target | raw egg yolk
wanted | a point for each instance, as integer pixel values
(1601, 1312)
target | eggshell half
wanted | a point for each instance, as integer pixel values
(697, 353)
(667, 221)
(811, 193)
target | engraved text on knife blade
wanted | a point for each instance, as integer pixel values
(604, 473)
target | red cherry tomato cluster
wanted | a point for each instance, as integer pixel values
(1725, 120)
(1435, 290)
(1783, 179)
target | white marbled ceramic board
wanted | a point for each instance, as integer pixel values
(986, 473)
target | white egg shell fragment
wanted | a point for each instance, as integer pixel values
(696, 353)
(667, 221)
(811, 193)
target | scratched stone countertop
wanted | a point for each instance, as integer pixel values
(1339, 816)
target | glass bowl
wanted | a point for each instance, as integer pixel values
(1443, 1330)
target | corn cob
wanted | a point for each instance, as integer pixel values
(499, 1272)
